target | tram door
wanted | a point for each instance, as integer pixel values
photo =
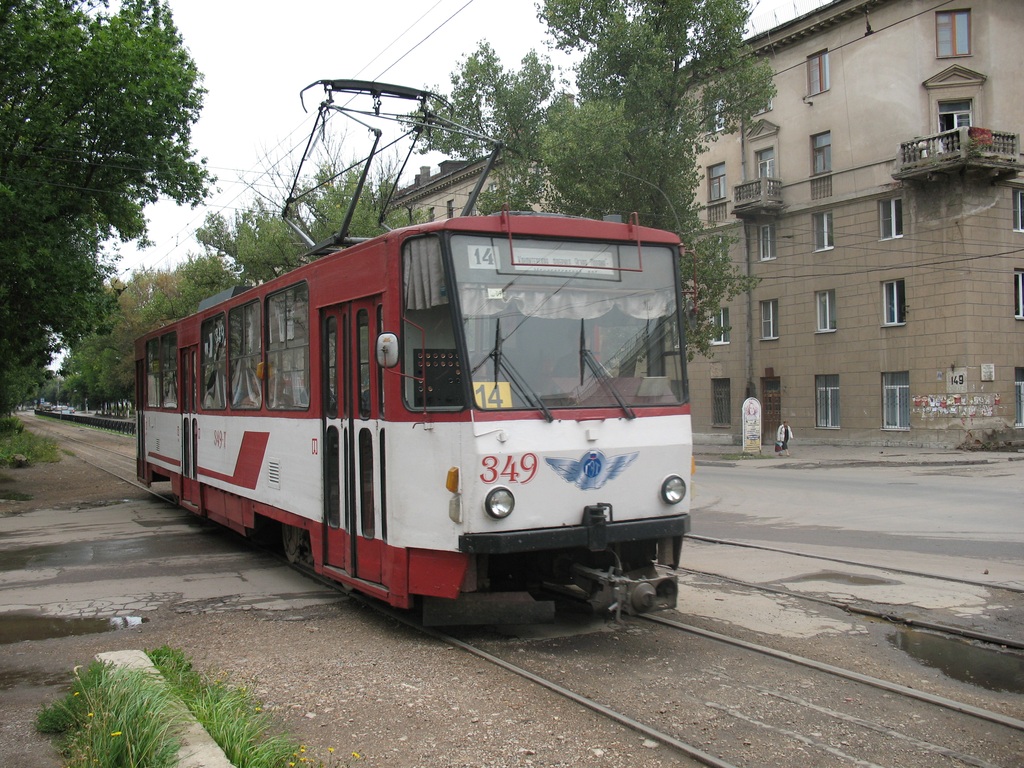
(188, 377)
(353, 440)
(771, 390)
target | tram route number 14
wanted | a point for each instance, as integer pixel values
(493, 394)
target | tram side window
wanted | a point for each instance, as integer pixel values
(288, 348)
(162, 371)
(169, 353)
(214, 360)
(245, 350)
(429, 352)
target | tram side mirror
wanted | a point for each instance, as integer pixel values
(387, 350)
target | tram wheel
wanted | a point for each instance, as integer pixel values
(296, 545)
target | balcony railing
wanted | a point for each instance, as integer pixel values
(759, 196)
(973, 149)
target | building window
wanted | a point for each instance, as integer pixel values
(823, 232)
(1019, 399)
(450, 208)
(827, 406)
(896, 400)
(1018, 210)
(821, 153)
(765, 163)
(766, 241)
(953, 33)
(894, 300)
(817, 73)
(826, 301)
(717, 122)
(716, 182)
(722, 327)
(721, 397)
(770, 319)
(954, 114)
(1018, 294)
(890, 218)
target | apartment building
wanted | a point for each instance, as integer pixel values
(880, 203)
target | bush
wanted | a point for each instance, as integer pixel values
(35, 448)
(11, 425)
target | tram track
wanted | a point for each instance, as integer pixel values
(846, 561)
(710, 694)
(859, 610)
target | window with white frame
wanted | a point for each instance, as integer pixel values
(765, 163)
(826, 301)
(824, 237)
(821, 153)
(722, 327)
(766, 242)
(890, 218)
(896, 400)
(721, 397)
(770, 319)
(955, 114)
(953, 33)
(1018, 294)
(1018, 210)
(716, 182)
(817, 73)
(827, 402)
(894, 302)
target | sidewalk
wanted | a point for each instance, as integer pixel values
(843, 455)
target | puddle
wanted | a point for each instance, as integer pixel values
(14, 628)
(32, 679)
(962, 660)
(837, 577)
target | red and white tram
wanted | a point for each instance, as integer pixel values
(450, 415)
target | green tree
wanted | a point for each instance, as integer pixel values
(654, 79)
(507, 105)
(101, 366)
(96, 110)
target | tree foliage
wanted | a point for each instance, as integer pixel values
(101, 366)
(96, 110)
(653, 81)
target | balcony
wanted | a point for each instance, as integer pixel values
(962, 150)
(758, 197)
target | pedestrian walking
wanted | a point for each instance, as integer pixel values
(782, 438)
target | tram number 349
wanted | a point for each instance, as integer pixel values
(511, 469)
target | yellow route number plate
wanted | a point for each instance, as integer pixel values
(493, 394)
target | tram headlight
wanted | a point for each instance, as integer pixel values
(673, 489)
(499, 503)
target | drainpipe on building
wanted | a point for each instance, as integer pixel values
(748, 351)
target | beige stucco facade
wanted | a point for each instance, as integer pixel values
(861, 330)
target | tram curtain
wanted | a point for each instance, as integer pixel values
(424, 274)
(567, 303)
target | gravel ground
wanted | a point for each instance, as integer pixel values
(358, 688)
(339, 677)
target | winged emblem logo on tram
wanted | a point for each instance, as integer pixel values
(593, 469)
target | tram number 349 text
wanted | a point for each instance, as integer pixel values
(509, 468)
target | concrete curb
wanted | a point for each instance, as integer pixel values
(198, 749)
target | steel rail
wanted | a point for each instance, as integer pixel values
(874, 682)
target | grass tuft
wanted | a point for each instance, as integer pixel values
(116, 718)
(128, 719)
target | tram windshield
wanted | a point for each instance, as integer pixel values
(560, 324)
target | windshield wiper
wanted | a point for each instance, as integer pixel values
(587, 359)
(501, 363)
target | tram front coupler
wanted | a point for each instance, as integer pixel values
(635, 593)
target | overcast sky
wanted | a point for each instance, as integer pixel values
(257, 56)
